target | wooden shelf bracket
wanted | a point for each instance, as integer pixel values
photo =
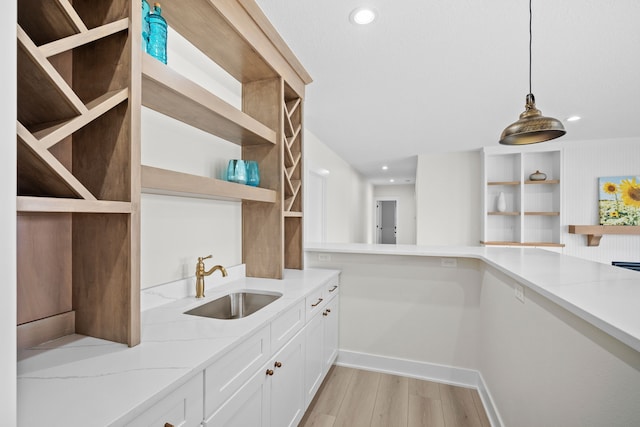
(595, 232)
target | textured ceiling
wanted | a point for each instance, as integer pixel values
(432, 76)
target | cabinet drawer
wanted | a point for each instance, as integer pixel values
(286, 326)
(182, 408)
(225, 376)
(314, 302)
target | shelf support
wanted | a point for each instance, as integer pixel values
(595, 232)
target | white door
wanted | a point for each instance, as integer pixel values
(386, 221)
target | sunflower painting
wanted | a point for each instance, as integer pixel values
(619, 200)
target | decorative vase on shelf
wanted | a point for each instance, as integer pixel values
(157, 44)
(501, 204)
(253, 174)
(231, 171)
(241, 172)
(538, 176)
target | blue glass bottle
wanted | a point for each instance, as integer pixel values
(157, 45)
(145, 24)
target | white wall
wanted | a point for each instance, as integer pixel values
(406, 210)
(546, 367)
(175, 230)
(8, 216)
(448, 197)
(348, 194)
(584, 163)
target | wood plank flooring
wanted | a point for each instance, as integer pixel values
(353, 397)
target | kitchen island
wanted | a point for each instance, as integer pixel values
(547, 339)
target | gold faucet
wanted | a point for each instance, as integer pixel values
(201, 273)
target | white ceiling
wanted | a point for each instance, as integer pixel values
(432, 76)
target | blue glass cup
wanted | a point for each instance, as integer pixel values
(231, 171)
(241, 172)
(253, 174)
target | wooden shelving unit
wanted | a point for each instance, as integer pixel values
(82, 80)
(595, 232)
(533, 216)
(171, 183)
(78, 168)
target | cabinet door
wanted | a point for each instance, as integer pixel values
(314, 360)
(287, 384)
(181, 408)
(330, 350)
(249, 406)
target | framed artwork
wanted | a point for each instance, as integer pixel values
(619, 200)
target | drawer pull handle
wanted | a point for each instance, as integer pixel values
(269, 372)
(168, 425)
(334, 288)
(319, 301)
(278, 364)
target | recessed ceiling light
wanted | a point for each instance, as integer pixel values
(385, 167)
(392, 180)
(574, 118)
(363, 16)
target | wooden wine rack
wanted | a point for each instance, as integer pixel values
(78, 163)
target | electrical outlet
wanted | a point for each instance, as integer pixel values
(448, 262)
(519, 291)
(324, 257)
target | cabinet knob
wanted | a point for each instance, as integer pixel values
(278, 364)
(168, 425)
(324, 313)
(328, 310)
(269, 372)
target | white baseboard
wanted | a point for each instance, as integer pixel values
(425, 371)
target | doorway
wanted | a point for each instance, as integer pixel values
(386, 221)
(315, 222)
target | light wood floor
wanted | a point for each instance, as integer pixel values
(353, 397)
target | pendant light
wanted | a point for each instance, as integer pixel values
(532, 127)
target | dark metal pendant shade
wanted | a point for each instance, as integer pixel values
(532, 127)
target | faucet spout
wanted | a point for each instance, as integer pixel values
(201, 273)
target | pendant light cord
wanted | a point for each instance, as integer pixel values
(530, 37)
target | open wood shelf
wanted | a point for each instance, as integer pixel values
(171, 183)
(293, 214)
(170, 93)
(52, 204)
(546, 181)
(503, 183)
(543, 213)
(504, 213)
(62, 45)
(595, 232)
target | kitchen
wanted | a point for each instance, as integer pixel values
(200, 220)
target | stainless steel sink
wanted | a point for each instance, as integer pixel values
(235, 305)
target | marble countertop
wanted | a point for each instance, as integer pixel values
(80, 381)
(608, 297)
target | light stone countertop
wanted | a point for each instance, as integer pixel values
(608, 297)
(83, 381)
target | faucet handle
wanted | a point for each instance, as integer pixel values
(200, 258)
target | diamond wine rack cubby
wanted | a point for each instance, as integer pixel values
(292, 140)
(77, 165)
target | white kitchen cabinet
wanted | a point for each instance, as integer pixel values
(330, 341)
(286, 385)
(314, 356)
(273, 396)
(533, 212)
(321, 335)
(181, 408)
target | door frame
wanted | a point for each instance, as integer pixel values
(376, 200)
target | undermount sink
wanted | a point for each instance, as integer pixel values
(235, 305)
